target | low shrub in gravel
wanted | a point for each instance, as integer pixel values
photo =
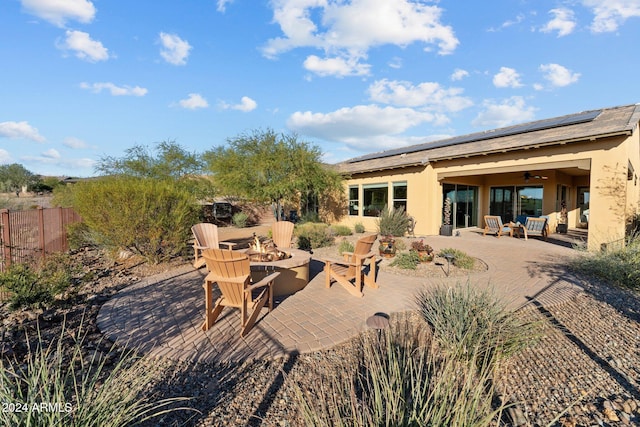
(473, 324)
(345, 246)
(66, 386)
(240, 219)
(358, 227)
(407, 260)
(312, 235)
(620, 266)
(36, 286)
(397, 377)
(461, 259)
(341, 230)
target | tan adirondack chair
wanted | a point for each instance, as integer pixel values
(205, 236)
(230, 270)
(353, 267)
(493, 224)
(282, 233)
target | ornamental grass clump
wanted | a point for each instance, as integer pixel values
(472, 324)
(460, 258)
(393, 222)
(58, 385)
(619, 267)
(398, 377)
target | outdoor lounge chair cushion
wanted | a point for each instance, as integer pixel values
(493, 224)
(536, 227)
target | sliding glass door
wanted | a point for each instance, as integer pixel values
(464, 209)
(510, 201)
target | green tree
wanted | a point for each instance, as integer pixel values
(14, 176)
(170, 161)
(269, 167)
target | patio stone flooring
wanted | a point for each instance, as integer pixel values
(162, 315)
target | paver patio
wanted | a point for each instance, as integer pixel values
(162, 315)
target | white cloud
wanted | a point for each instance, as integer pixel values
(174, 50)
(509, 111)
(222, 5)
(114, 89)
(84, 47)
(193, 102)
(246, 104)
(5, 157)
(361, 126)
(59, 12)
(350, 29)
(428, 95)
(339, 67)
(507, 77)
(610, 14)
(20, 130)
(558, 75)
(75, 143)
(395, 62)
(564, 22)
(51, 153)
(64, 163)
(459, 74)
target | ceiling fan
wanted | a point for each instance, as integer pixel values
(528, 176)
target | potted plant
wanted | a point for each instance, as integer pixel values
(425, 252)
(387, 247)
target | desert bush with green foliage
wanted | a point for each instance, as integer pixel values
(341, 230)
(345, 246)
(149, 217)
(36, 287)
(473, 324)
(461, 259)
(80, 388)
(358, 227)
(619, 267)
(312, 235)
(400, 378)
(406, 260)
(240, 219)
(393, 222)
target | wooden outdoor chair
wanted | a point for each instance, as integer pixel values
(493, 224)
(230, 270)
(205, 236)
(536, 227)
(354, 267)
(282, 233)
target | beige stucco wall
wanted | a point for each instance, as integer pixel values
(604, 169)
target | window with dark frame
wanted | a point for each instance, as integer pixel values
(376, 197)
(400, 195)
(354, 200)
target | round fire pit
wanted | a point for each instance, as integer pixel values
(293, 268)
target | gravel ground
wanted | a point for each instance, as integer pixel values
(584, 371)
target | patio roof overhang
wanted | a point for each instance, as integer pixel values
(573, 167)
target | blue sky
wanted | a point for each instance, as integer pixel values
(85, 79)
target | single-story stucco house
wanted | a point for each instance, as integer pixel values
(588, 162)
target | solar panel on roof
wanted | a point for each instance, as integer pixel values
(572, 119)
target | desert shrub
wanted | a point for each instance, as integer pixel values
(341, 230)
(82, 391)
(406, 260)
(37, 286)
(461, 259)
(240, 219)
(358, 227)
(619, 267)
(473, 324)
(345, 246)
(151, 218)
(313, 235)
(399, 378)
(393, 222)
